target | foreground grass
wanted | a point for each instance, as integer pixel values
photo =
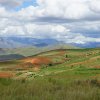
(49, 88)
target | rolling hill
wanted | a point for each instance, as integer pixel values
(33, 50)
(53, 75)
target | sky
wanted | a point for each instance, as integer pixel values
(71, 21)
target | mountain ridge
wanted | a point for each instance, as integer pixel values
(17, 42)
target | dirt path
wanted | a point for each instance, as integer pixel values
(86, 61)
(57, 72)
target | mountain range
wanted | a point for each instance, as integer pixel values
(17, 42)
(19, 47)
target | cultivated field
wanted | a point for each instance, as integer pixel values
(64, 74)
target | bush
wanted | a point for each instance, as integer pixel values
(66, 56)
(50, 64)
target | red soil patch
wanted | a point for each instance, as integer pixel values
(33, 63)
(97, 67)
(5, 75)
(38, 60)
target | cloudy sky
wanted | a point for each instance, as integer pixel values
(71, 21)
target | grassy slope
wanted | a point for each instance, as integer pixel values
(29, 51)
(76, 79)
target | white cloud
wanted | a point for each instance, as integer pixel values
(11, 30)
(76, 11)
(80, 39)
(3, 12)
(63, 9)
(69, 9)
(36, 21)
(77, 38)
(95, 5)
(46, 31)
(59, 29)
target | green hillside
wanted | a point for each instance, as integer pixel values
(29, 51)
(64, 74)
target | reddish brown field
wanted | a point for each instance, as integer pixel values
(33, 63)
(38, 60)
(97, 67)
(6, 75)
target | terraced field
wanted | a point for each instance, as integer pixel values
(72, 74)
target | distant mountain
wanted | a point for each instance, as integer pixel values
(19, 47)
(61, 46)
(10, 57)
(6, 42)
(2, 51)
(33, 41)
(33, 50)
(15, 42)
(89, 45)
(27, 46)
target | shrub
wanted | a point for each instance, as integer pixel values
(50, 64)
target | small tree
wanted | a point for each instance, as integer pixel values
(66, 56)
(50, 64)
